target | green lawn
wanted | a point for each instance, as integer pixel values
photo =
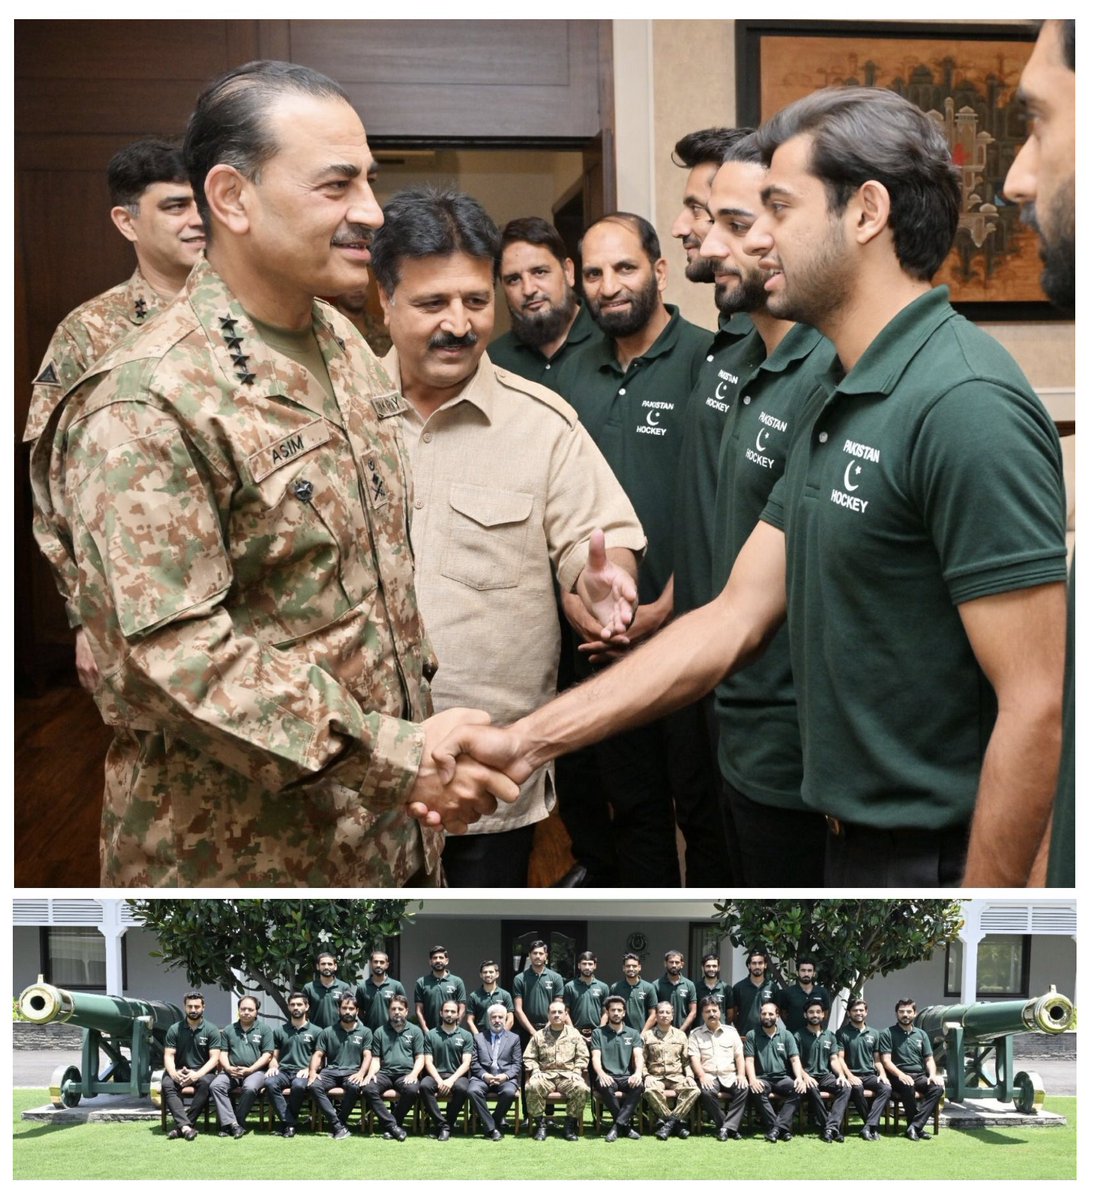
(132, 1150)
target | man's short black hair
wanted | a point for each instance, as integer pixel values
(805, 960)
(326, 954)
(710, 957)
(587, 954)
(538, 232)
(298, 996)
(706, 146)
(230, 123)
(423, 221)
(488, 962)
(756, 953)
(194, 996)
(437, 950)
(538, 945)
(904, 1002)
(136, 167)
(858, 134)
(1066, 42)
(643, 228)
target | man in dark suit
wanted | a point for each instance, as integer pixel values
(496, 1069)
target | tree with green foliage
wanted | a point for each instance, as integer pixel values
(851, 940)
(266, 945)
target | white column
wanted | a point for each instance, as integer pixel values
(634, 116)
(112, 930)
(970, 937)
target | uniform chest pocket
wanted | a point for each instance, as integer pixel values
(487, 536)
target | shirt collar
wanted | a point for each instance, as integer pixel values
(477, 391)
(663, 344)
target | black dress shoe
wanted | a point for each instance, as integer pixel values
(443, 1134)
(289, 1131)
(613, 1133)
(189, 1133)
(838, 1135)
(827, 1136)
(541, 1132)
(665, 1130)
(866, 1134)
(772, 1136)
(786, 1136)
(495, 1136)
(721, 1135)
(923, 1136)
(682, 1130)
(912, 1135)
(735, 1135)
(571, 1129)
(576, 877)
(174, 1134)
(633, 1135)
(238, 1131)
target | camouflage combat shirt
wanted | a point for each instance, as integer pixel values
(244, 576)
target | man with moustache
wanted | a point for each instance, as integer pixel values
(399, 1054)
(325, 990)
(448, 1060)
(617, 1064)
(1042, 179)
(345, 1051)
(666, 1067)
(922, 426)
(231, 485)
(820, 1056)
(716, 1057)
(795, 1000)
(711, 987)
(859, 1050)
(191, 1055)
(488, 993)
(548, 323)
(555, 1060)
(772, 1060)
(247, 1048)
(638, 994)
(294, 1045)
(631, 388)
(751, 992)
(435, 988)
(376, 990)
(674, 987)
(907, 1056)
(510, 496)
(585, 995)
(496, 1071)
(154, 209)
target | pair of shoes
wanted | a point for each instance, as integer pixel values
(721, 1135)
(613, 1133)
(494, 1136)
(289, 1131)
(340, 1132)
(571, 1129)
(866, 1134)
(786, 1135)
(173, 1134)
(541, 1132)
(443, 1134)
(189, 1132)
(772, 1136)
(665, 1130)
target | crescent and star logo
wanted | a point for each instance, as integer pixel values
(653, 417)
(851, 487)
(763, 436)
(721, 388)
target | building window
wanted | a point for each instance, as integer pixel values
(74, 957)
(1002, 972)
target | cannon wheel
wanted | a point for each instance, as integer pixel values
(1028, 1092)
(65, 1087)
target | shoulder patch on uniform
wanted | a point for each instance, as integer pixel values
(390, 404)
(536, 391)
(48, 375)
(290, 446)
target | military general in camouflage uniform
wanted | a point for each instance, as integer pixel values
(666, 1066)
(153, 207)
(233, 487)
(556, 1058)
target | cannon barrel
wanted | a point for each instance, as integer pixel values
(1050, 1013)
(43, 1003)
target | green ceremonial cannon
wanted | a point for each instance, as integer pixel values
(111, 1024)
(964, 1035)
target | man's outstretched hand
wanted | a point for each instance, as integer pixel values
(607, 590)
(454, 791)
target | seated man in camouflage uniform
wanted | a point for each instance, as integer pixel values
(666, 1065)
(556, 1058)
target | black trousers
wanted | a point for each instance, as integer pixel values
(428, 1091)
(880, 1091)
(731, 1118)
(298, 1092)
(785, 1090)
(489, 859)
(624, 1108)
(480, 1093)
(405, 1097)
(173, 1099)
(778, 847)
(335, 1077)
(918, 1113)
(838, 1106)
(857, 856)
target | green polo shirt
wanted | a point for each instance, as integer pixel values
(480, 1001)
(772, 1055)
(296, 1046)
(640, 999)
(584, 1000)
(759, 735)
(617, 1049)
(793, 1001)
(748, 1001)
(245, 1048)
(398, 1051)
(537, 992)
(908, 1051)
(345, 1047)
(734, 353)
(192, 1046)
(512, 355)
(720, 991)
(681, 995)
(816, 1052)
(323, 1006)
(1060, 863)
(447, 1049)
(860, 1047)
(433, 993)
(637, 419)
(373, 1000)
(929, 476)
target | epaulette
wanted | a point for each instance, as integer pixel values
(537, 391)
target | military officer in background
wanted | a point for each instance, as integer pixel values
(556, 1058)
(247, 1048)
(666, 1066)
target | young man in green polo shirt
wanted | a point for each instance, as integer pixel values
(859, 1047)
(617, 1064)
(535, 988)
(376, 990)
(488, 993)
(294, 1045)
(711, 987)
(448, 1061)
(907, 1056)
(772, 1060)
(819, 1057)
(325, 989)
(341, 1060)
(751, 992)
(399, 1055)
(191, 1055)
(926, 637)
(585, 994)
(674, 987)
(434, 989)
(247, 1048)
(638, 994)
(793, 1000)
